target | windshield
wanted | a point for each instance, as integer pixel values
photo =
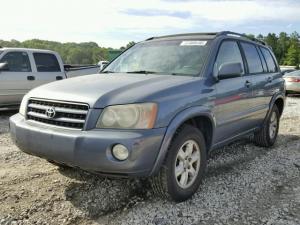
(173, 57)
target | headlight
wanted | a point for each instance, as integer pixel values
(131, 116)
(23, 106)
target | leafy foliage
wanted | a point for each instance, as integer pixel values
(72, 53)
(285, 47)
(131, 43)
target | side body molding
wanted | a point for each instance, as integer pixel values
(175, 123)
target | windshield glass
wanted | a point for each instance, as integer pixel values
(173, 57)
(1, 52)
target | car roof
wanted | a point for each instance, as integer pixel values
(27, 50)
(209, 36)
(185, 36)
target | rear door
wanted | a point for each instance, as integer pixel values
(234, 96)
(15, 82)
(273, 76)
(257, 69)
(47, 68)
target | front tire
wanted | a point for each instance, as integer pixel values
(184, 166)
(266, 137)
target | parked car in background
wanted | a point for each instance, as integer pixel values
(102, 64)
(23, 69)
(284, 71)
(287, 69)
(158, 110)
(292, 82)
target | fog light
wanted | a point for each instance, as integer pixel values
(120, 152)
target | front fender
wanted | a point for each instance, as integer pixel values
(175, 123)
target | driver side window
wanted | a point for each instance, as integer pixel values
(17, 61)
(229, 52)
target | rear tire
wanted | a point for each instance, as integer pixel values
(184, 166)
(266, 137)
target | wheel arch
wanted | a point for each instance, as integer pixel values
(279, 101)
(200, 117)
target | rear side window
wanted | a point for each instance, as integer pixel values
(269, 59)
(17, 61)
(252, 57)
(262, 58)
(46, 62)
(229, 52)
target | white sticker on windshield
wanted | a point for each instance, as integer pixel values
(193, 43)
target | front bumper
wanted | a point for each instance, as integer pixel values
(89, 150)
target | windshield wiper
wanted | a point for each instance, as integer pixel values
(142, 71)
(107, 71)
(180, 74)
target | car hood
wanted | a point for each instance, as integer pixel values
(100, 90)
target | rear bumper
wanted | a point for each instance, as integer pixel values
(292, 87)
(89, 150)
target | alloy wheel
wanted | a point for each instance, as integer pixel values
(187, 164)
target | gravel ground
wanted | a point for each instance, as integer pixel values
(244, 184)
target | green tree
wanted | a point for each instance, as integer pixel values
(283, 46)
(292, 56)
(251, 36)
(71, 53)
(260, 37)
(271, 40)
(131, 43)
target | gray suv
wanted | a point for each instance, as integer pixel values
(157, 110)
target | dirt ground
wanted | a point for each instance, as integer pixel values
(244, 184)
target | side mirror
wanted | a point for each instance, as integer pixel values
(230, 70)
(4, 67)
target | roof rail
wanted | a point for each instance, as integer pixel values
(241, 35)
(215, 34)
(185, 34)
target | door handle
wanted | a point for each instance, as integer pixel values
(30, 78)
(269, 79)
(59, 78)
(248, 83)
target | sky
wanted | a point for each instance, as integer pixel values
(113, 23)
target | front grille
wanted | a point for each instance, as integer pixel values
(62, 114)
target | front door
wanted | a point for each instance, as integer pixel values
(15, 81)
(234, 101)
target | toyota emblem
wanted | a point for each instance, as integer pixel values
(50, 112)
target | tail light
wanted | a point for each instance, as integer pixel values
(293, 79)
